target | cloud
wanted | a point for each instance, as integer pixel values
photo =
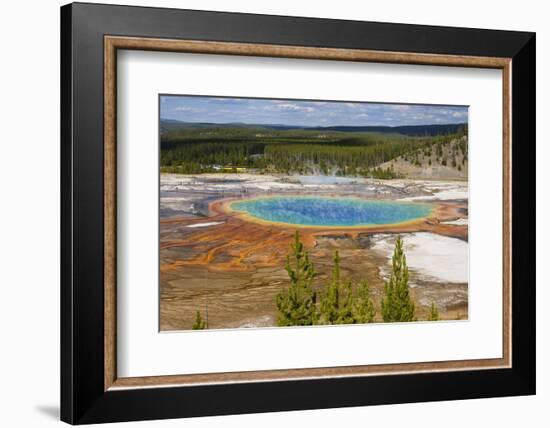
(400, 107)
(188, 109)
(288, 107)
(306, 113)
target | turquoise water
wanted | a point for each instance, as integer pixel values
(327, 211)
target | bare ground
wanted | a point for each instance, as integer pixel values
(231, 270)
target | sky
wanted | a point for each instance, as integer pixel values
(305, 113)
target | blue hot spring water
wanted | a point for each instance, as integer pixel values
(329, 211)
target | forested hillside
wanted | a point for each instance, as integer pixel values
(443, 159)
(236, 148)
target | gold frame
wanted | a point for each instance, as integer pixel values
(113, 43)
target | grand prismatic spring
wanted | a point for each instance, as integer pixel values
(331, 211)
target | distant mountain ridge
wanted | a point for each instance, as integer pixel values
(411, 130)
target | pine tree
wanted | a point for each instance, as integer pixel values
(364, 311)
(330, 300)
(434, 313)
(199, 324)
(297, 304)
(346, 305)
(397, 305)
(337, 304)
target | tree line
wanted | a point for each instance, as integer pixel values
(193, 151)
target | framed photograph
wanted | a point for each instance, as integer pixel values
(265, 213)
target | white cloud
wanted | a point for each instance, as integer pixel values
(288, 107)
(400, 107)
(188, 109)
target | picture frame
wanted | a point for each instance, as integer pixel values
(91, 390)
